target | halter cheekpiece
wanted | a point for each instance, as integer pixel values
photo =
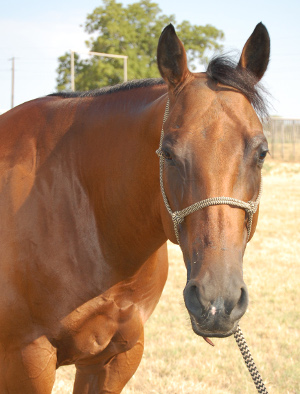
(178, 216)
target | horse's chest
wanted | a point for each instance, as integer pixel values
(95, 333)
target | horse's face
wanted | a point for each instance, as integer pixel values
(213, 146)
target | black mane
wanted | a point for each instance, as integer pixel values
(220, 69)
(138, 83)
(225, 71)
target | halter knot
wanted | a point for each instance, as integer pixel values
(177, 217)
(253, 207)
(159, 152)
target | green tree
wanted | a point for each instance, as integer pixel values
(131, 30)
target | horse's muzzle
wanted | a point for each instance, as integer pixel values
(215, 316)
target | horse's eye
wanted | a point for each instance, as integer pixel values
(167, 155)
(263, 154)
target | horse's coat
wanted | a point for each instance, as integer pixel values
(83, 225)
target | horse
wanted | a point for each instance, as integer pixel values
(87, 207)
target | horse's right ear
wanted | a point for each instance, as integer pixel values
(171, 58)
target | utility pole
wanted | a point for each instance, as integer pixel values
(12, 81)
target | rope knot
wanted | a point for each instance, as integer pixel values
(177, 217)
(159, 152)
(253, 207)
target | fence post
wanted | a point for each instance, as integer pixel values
(273, 131)
(282, 140)
(294, 140)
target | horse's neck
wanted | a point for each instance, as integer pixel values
(122, 176)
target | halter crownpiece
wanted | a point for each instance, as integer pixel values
(178, 216)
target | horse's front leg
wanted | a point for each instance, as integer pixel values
(28, 369)
(112, 377)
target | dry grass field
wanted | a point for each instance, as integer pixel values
(177, 361)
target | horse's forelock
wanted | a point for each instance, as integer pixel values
(224, 70)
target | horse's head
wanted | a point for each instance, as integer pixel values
(213, 145)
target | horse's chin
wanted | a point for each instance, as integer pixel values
(212, 334)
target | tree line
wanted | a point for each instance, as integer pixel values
(131, 30)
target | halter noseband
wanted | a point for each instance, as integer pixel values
(178, 216)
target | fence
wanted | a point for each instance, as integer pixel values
(284, 138)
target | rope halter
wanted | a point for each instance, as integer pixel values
(178, 216)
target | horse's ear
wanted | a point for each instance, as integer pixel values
(171, 58)
(256, 52)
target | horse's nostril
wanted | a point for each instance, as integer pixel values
(193, 295)
(192, 299)
(241, 305)
(244, 297)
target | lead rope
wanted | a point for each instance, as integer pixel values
(255, 375)
(178, 217)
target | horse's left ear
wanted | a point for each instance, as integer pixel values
(256, 52)
(171, 58)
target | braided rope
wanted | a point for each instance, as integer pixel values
(242, 344)
(178, 216)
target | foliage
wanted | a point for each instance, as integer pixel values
(131, 30)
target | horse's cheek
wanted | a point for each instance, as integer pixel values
(167, 223)
(254, 223)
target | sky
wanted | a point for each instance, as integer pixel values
(36, 33)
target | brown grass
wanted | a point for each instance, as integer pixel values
(177, 361)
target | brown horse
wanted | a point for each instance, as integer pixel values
(84, 223)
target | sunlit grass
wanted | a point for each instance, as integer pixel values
(177, 361)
